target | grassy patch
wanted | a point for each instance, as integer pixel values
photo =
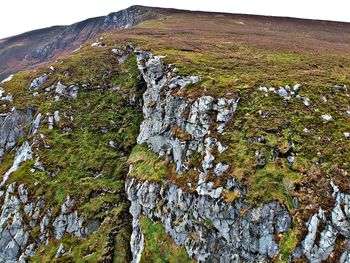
(147, 165)
(287, 245)
(272, 182)
(159, 247)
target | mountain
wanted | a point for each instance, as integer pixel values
(189, 136)
(32, 48)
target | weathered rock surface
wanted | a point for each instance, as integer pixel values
(323, 231)
(174, 128)
(219, 225)
(12, 127)
(20, 214)
(164, 113)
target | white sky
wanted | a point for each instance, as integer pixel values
(17, 16)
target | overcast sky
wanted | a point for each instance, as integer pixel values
(17, 16)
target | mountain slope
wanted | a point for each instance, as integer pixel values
(33, 48)
(180, 137)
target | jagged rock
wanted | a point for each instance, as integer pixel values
(69, 92)
(67, 222)
(328, 229)
(36, 123)
(248, 238)
(23, 154)
(13, 236)
(37, 82)
(137, 238)
(12, 127)
(220, 169)
(162, 112)
(60, 251)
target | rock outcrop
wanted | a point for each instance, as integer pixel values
(323, 231)
(218, 225)
(175, 127)
(21, 214)
(12, 127)
(74, 35)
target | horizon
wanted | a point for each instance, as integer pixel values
(110, 7)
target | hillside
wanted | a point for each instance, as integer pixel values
(185, 135)
(34, 48)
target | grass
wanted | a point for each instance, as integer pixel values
(272, 182)
(287, 245)
(146, 165)
(159, 247)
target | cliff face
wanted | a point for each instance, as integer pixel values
(221, 152)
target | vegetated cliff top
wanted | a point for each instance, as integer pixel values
(280, 146)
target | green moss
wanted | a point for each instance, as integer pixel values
(159, 247)
(287, 245)
(272, 182)
(146, 165)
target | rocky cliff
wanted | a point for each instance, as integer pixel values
(221, 152)
(201, 209)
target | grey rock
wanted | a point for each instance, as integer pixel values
(37, 82)
(69, 221)
(68, 92)
(220, 169)
(56, 116)
(283, 92)
(36, 123)
(23, 153)
(60, 251)
(249, 238)
(12, 128)
(50, 122)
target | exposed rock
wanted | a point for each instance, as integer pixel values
(36, 123)
(287, 93)
(12, 127)
(13, 234)
(23, 154)
(328, 229)
(163, 111)
(249, 238)
(60, 251)
(137, 238)
(68, 92)
(220, 169)
(327, 117)
(50, 122)
(9, 78)
(56, 116)
(37, 82)
(69, 222)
